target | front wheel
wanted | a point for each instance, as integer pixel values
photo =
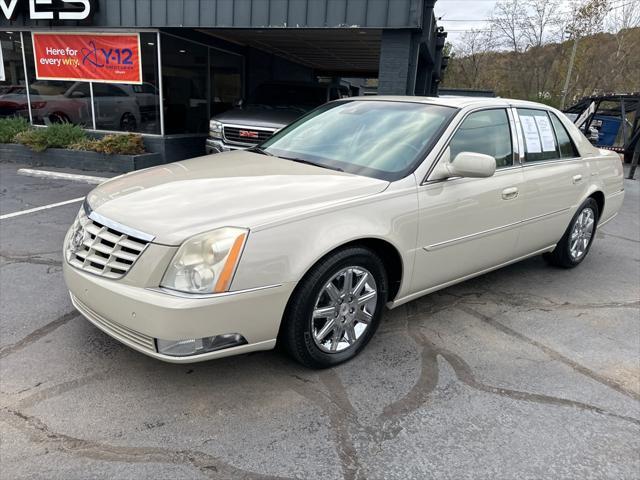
(577, 239)
(336, 308)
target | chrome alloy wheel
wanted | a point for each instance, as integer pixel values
(344, 309)
(581, 233)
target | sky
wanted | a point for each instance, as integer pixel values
(458, 16)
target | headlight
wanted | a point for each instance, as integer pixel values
(215, 129)
(207, 262)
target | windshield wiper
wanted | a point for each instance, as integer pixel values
(307, 162)
(260, 151)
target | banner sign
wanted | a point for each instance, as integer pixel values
(89, 57)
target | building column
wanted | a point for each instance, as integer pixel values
(398, 62)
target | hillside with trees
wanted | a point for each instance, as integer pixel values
(524, 55)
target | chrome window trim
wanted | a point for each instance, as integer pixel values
(554, 161)
(132, 232)
(176, 293)
(426, 181)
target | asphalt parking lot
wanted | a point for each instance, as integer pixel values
(527, 372)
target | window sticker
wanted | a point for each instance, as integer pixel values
(531, 134)
(546, 133)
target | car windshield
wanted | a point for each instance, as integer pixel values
(380, 139)
(283, 96)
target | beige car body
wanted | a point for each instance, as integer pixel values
(432, 232)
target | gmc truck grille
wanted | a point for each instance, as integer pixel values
(246, 135)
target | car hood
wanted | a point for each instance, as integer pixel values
(260, 116)
(240, 189)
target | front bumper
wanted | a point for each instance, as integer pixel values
(136, 316)
(218, 146)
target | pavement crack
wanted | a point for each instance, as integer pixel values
(37, 334)
(30, 259)
(59, 389)
(39, 432)
(619, 237)
(335, 404)
(429, 375)
(618, 387)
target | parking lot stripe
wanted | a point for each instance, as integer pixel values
(37, 209)
(30, 172)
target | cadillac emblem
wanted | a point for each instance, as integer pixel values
(78, 238)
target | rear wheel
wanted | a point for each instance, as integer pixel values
(576, 241)
(336, 308)
(128, 122)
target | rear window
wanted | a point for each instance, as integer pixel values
(567, 148)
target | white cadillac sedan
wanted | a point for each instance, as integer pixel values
(361, 204)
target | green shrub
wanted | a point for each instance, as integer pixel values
(62, 135)
(67, 135)
(86, 145)
(57, 135)
(35, 139)
(117, 144)
(10, 127)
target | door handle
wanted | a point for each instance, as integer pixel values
(577, 178)
(510, 193)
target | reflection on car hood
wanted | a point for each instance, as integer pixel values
(242, 189)
(260, 116)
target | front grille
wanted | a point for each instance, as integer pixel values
(114, 329)
(104, 251)
(234, 135)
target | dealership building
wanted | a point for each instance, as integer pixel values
(171, 65)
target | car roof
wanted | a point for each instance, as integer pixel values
(456, 102)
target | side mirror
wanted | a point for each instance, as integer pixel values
(77, 94)
(238, 103)
(466, 164)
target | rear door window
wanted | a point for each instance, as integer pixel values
(539, 135)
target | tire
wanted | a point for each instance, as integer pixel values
(128, 122)
(567, 253)
(59, 117)
(307, 333)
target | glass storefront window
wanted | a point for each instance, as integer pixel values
(56, 101)
(131, 108)
(117, 107)
(13, 93)
(198, 83)
(226, 80)
(184, 81)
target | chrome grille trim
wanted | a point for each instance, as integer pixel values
(231, 134)
(120, 332)
(108, 249)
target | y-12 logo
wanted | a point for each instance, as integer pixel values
(38, 9)
(99, 57)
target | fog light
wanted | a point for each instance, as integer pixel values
(195, 346)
